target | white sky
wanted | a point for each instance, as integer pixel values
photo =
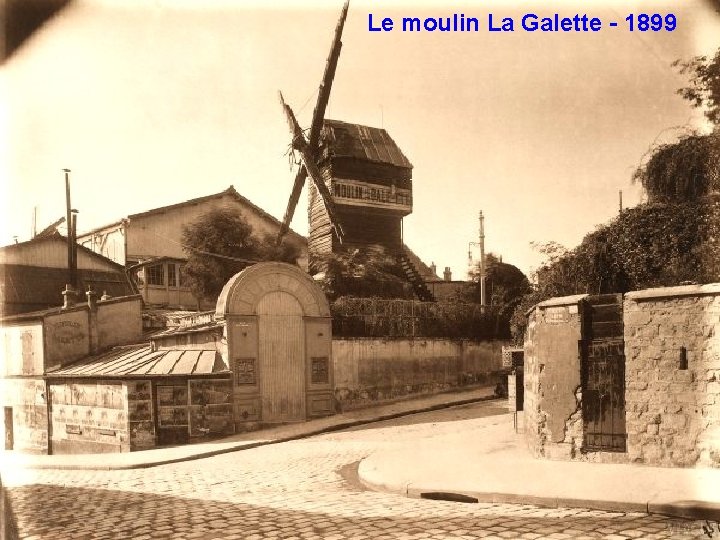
(154, 102)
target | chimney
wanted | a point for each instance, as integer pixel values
(92, 320)
(68, 296)
(91, 299)
(447, 275)
(433, 268)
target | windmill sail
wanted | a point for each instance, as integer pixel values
(308, 147)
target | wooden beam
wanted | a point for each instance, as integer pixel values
(300, 143)
(292, 202)
(327, 80)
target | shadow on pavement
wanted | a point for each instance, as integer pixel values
(68, 512)
(470, 411)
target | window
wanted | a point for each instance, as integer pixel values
(172, 276)
(156, 275)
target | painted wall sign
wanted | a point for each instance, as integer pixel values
(556, 315)
(67, 332)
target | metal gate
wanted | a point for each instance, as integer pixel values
(603, 374)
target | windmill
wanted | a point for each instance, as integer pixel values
(308, 147)
(361, 182)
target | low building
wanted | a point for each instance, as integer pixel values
(33, 274)
(138, 397)
(34, 344)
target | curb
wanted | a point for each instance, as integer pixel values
(247, 446)
(697, 510)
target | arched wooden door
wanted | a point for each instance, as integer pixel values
(281, 333)
(278, 344)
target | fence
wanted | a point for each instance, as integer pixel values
(378, 317)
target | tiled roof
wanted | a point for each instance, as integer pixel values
(362, 142)
(141, 361)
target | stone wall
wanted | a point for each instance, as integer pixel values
(553, 416)
(673, 410)
(370, 371)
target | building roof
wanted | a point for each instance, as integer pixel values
(141, 361)
(362, 142)
(31, 288)
(57, 237)
(26, 285)
(231, 191)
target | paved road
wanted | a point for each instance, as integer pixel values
(302, 489)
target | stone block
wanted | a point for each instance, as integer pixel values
(652, 429)
(683, 375)
(652, 453)
(674, 421)
(686, 397)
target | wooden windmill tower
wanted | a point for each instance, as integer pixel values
(361, 182)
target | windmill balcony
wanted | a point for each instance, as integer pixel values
(361, 194)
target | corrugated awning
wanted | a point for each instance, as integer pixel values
(142, 361)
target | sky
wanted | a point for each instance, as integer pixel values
(150, 103)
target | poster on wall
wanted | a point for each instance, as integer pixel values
(210, 391)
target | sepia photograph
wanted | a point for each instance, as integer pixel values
(356, 269)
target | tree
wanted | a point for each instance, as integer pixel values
(364, 272)
(682, 171)
(219, 244)
(704, 89)
(690, 167)
(505, 286)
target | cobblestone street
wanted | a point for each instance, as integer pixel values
(300, 489)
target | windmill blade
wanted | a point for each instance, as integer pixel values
(311, 168)
(326, 84)
(292, 202)
(298, 141)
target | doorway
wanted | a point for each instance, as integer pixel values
(282, 357)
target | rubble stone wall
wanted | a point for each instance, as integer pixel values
(552, 412)
(672, 409)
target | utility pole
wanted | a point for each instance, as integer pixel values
(68, 222)
(620, 201)
(481, 245)
(482, 259)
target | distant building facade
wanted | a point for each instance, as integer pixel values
(151, 243)
(33, 274)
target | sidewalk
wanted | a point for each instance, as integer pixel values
(242, 441)
(492, 464)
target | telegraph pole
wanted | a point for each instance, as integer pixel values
(68, 222)
(481, 245)
(482, 259)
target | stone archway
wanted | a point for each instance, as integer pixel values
(279, 338)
